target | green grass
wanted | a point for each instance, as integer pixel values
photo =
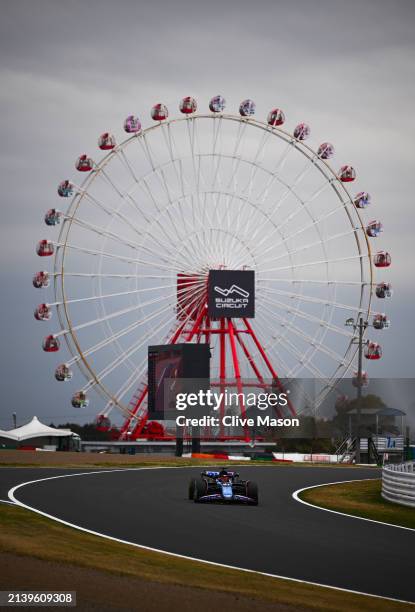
(24, 533)
(361, 499)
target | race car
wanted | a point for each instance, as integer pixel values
(223, 486)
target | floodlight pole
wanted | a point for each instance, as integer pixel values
(361, 329)
(361, 326)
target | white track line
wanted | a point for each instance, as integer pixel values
(296, 496)
(11, 495)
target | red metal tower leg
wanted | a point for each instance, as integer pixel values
(237, 371)
(222, 371)
(203, 325)
(268, 363)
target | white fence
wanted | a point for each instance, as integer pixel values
(398, 483)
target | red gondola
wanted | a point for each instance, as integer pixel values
(44, 248)
(102, 423)
(325, 150)
(382, 259)
(63, 372)
(384, 290)
(106, 141)
(132, 125)
(41, 279)
(373, 351)
(347, 174)
(159, 112)
(217, 104)
(364, 379)
(247, 108)
(302, 131)
(276, 117)
(51, 344)
(80, 400)
(154, 429)
(43, 312)
(84, 163)
(65, 189)
(380, 321)
(374, 228)
(188, 105)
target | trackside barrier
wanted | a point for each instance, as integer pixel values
(307, 457)
(398, 483)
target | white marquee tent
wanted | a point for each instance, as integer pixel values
(34, 429)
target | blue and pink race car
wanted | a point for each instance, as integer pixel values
(223, 486)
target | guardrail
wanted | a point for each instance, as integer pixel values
(398, 483)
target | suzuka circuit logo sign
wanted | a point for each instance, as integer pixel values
(232, 293)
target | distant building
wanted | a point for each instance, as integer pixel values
(37, 435)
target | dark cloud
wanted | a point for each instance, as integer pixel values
(71, 69)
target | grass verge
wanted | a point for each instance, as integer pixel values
(17, 458)
(24, 533)
(360, 499)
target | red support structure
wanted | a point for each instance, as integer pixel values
(196, 327)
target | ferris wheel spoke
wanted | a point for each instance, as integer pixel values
(313, 343)
(181, 180)
(216, 124)
(128, 385)
(306, 316)
(295, 281)
(125, 161)
(137, 374)
(117, 237)
(105, 176)
(130, 260)
(263, 332)
(314, 223)
(304, 298)
(158, 172)
(112, 315)
(316, 263)
(119, 313)
(149, 193)
(124, 354)
(112, 295)
(112, 211)
(299, 356)
(200, 212)
(275, 174)
(311, 245)
(120, 361)
(256, 163)
(290, 190)
(236, 158)
(303, 205)
(107, 341)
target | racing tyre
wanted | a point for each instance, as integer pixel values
(192, 488)
(252, 492)
(200, 489)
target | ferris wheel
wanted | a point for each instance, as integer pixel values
(200, 192)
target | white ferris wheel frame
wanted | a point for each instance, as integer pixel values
(62, 301)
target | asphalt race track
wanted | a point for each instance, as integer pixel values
(280, 536)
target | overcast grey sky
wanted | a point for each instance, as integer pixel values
(70, 69)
